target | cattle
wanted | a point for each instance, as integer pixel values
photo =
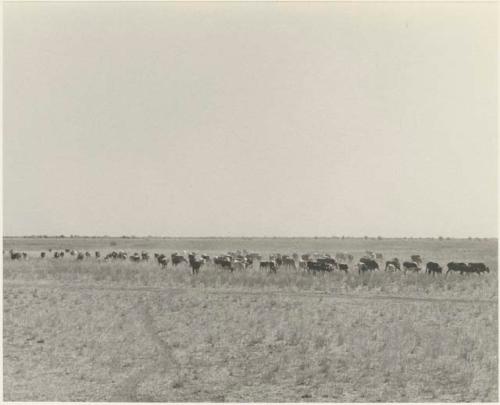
(56, 255)
(42, 255)
(295, 257)
(268, 264)
(177, 259)
(306, 257)
(433, 268)
(390, 267)
(87, 254)
(276, 258)
(362, 268)
(25, 255)
(161, 259)
(417, 259)
(135, 257)
(478, 268)
(224, 262)
(195, 263)
(239, 265)
(394, 262)
(80, 256)
(144, 256)
(66, 250)
(328, 259)
(289, 262)
(459, 267)
(15, 255)
(344, 267)
(302, 264)
(410, 266)
(97, 255)
(73, 252)
(206, 258)
(370, 263)
(320, 266)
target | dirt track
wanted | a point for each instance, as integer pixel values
(173, 290)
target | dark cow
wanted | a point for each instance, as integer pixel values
(144, 256)
(320, 266)
(177, 259)
(394, 262)
(25, 255)
(161, 259)
(15, 255)
(268, 264)
(410, 266)
(42, 255)
(459, 267)
(56, 255)
(224, 262)
(80, 256)
(97, 255)
(87, 254)
(370, 263)
(478, 268)
(328, 260)
(195, 263)
(66, 250)
(343, 267)
(433, 268)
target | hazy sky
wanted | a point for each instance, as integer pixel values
(250, 119)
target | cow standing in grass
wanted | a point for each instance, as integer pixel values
(458, 267)
(195, 263)
(268, 264)
(369, 263)
(394, 262)
(411, 266)
(478, 268)
(177, 259)
(433, 268)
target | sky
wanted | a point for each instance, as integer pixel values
(250, 119)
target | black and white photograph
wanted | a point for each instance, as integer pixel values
(250, 201)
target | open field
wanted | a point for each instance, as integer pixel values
(120, 331)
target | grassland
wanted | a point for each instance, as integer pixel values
(100, 331)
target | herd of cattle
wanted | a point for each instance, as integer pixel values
(241, 260)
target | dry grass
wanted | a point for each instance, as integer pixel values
(96, 331)
(150, 274)
(95, 346)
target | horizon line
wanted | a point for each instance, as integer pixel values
(378, 237)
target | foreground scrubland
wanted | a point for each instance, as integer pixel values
(118, 331)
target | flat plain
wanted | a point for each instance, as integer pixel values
(96, 330)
